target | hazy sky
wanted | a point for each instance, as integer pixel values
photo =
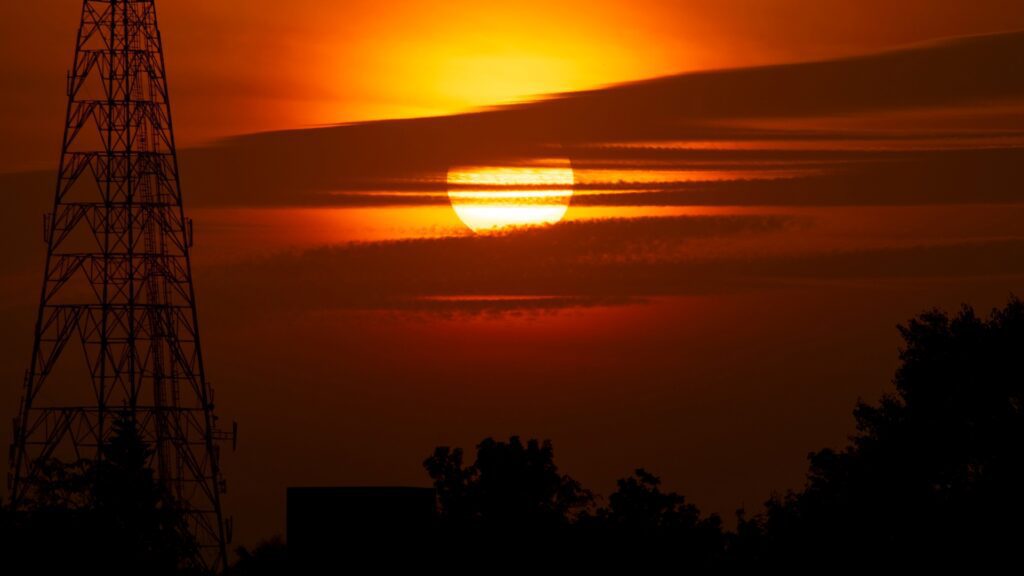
(726, 284)
(240, 66)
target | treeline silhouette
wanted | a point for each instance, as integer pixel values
(107, 515)
(933, 478)
(514, 495)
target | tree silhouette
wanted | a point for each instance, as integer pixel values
(455, 486)
(639, 506)
(932, 478)
(643, 526)
(515, 492)
(133, 508)
(510, 486)
(935, 472)
(106, 515)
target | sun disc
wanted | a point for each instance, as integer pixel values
(492, 198)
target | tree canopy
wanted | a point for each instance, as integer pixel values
(510, 486)
(933, 475)
(108, 514)
(935, 471)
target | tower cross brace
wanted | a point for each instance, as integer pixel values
(117, 331)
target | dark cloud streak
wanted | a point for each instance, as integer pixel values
(575, 264)
(305, 167)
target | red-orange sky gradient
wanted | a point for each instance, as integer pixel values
(253, 65)
(762, 190)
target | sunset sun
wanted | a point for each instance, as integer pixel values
(491, 198)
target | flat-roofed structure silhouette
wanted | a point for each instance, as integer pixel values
(335, 526)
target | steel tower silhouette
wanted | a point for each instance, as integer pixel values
(118, 284)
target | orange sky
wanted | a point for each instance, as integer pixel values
(685, 316)
(240, 66)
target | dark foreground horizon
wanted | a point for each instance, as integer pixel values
(932, 479)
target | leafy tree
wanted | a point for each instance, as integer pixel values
(108, 515)
(545, 520)
(639, 506)
(455, 486)
(146, 528)
(935, 471)
(510, 486)
(644, 526)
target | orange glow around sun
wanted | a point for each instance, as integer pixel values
(491, 198)
(435, 58)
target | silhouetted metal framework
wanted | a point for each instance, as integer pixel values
(117, 330)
